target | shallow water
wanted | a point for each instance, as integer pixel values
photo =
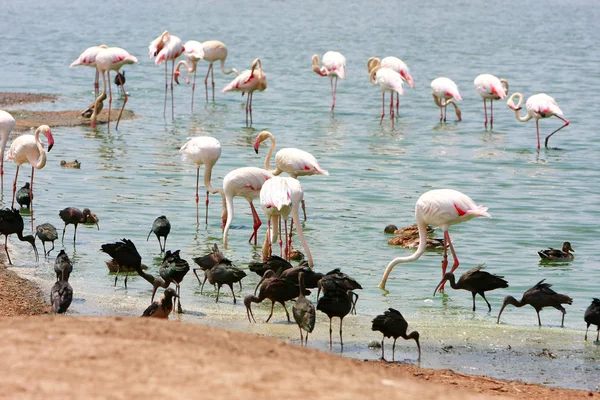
(537, 199)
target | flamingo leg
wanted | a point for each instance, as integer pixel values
(287, 247)
(548, 137)
(172, 98)
(212, 77)
(257, 224)
(251, 97)
(96, 83)
(382, 107)
(206, 81)
(392, 105)
(280, 239)
(445, 259)
(304, 209)
(206, 216)
(456, 262)
(485, 121)
(197, 197)
(269, 236)
(15, 187)
(109, 96)
(124, 100)
(445, 110)
(247, 104)
(193, 88)
(332, 94)
(537, 129)
(397, 102)
(166, 87)
(491, 114)
(31, 197)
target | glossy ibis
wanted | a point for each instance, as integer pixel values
(556, 254)
(475, 281)
(75, 216)
(173, 269)
(124, 254)
(275, 289)
(336, 304)
(273, 263)
(12, 222)
(335, 280)
(63, 266)
(161, 228)
(47, 233)
(311, 278)
(208, 261)
(24, 196)
(538, 297)
(223, 273)
(61, 296)
(592, 317)
(163, 307)
(304, 311)
(392, 324)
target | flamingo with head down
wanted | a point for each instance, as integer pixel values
(492, 88)
(247, 82)
(333, 66)
(88, 58)
(395, 64)
(388, 80)
(445, 92)
(164, 48)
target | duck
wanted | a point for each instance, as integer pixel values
(552, 254)
(410, 230)
(412, 242)
(90, 217)
(70, 164)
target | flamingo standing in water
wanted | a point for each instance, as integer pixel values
(111, 59)
(29, 149)
(202, 150)
(247, 82)
(244, 182)
(395, 64)
(294, 162)
(386, 79)
(490, 87)
(445, 92)
(279, 197)
(88, 58)
(194, 53)
(333, 66)
(164, 48)
(7, 124)
(442, 208)
(538, 106)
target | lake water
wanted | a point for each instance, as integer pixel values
(377, 172)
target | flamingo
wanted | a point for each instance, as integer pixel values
(386, 79)
(7, 124)
(490, 87)
(334, 66)
(244, 182)
(111, 59)
(395, 64)
(279, 197)
(194, 53)
(202, 150)
(294, 162)
(441, 208)
(29, 149)
(88, 58)
(445, 92)
(164, 48)
(247, 82)
(538, 106)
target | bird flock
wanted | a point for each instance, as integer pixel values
(279, 197)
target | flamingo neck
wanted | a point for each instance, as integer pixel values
(373, 63)
(517, 108)
(372, 74)
(189, 67)
(207, 177)
(232, 70)
(271, 151)
(456, 109)
(41, 162)
(229, 218)
(315, 66)
(296, 220)
(504, 83)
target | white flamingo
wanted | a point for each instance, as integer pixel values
(538, 106)
(247, 82)
(441, 208)
(194, 53)
(490, 87)
(164, 48)
(88, 58)
(7, 124)
(445, 92)
(395, 64)
(388, 80)
(333, 66)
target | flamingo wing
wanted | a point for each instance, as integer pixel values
(194, 50)
(239, 82)
(298, 162)
(335, 63)
(388, 79)
(543, 106)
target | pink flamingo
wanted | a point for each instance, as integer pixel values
(244, 182)
(490, 87)
(111, 59)
(395, 64)
(445, 92)
(538, 106)
(333, 66)
(247, 82)
(29, 149)
(388, 80)
(193, 53)
(442, 208)
(202, 150)
(294, 162)
(7, 124)
(164, 48)
(279, 197)
(88, 58)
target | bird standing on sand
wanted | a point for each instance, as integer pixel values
(442, 208)
(75, 216)
(24, 196)
(475, 281)
(336, 304)
(163, 307)
(304, 311)
(223, 273)
(12, 222)
(392, 324)
(538, 297)
(173, 269)
(335, 280)
(161, 228)
(333, 66)
(592, 317)
(63, 266)
(47, 233)
(7, 124)
(249, 81)
(61, 296)
(492, 88)
(556, 254)
(445, 92)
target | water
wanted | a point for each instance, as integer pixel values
(537, 199)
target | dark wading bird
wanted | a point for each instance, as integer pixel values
(208, 261)
(12, 222)
(275, 289)
(120, 81)
(75, 216)
(61, 296)
(124, 255)
(538, 297)
(592, 317)
(556, 254)
(475, 281)
(311, 278)
(335, 280)
(173, 269)
(304, 311)
(392, 324)
(224, 273)
(163, 307)
(63, 266)
(47, 233)
(24, 196)
(273, 263)
(161, 228)
(336, 304)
